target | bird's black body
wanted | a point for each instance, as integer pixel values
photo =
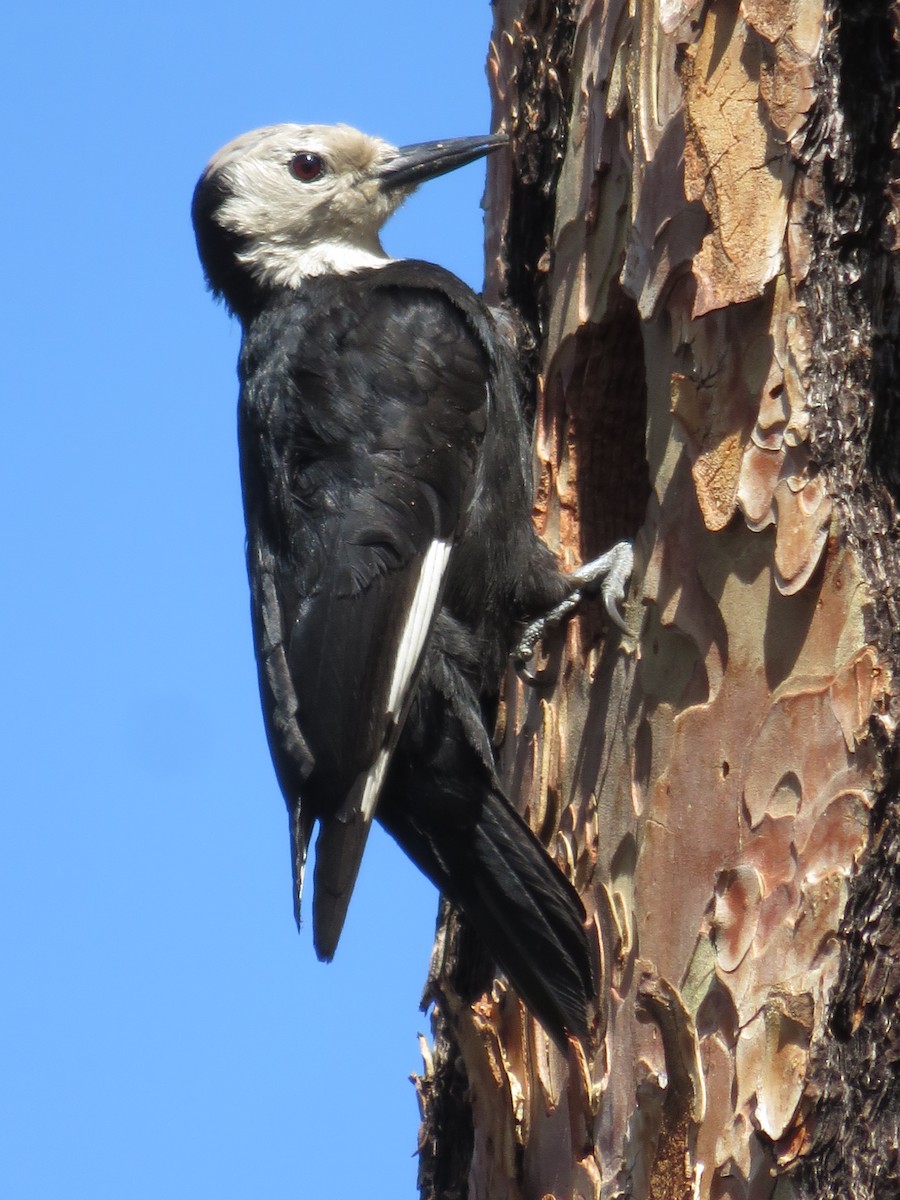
(392, 561)
(351, 469)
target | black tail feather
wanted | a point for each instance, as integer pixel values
(528, 914)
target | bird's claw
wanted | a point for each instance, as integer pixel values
(609, 574)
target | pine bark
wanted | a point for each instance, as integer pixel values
(698, 227)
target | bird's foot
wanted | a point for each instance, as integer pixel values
(608, 574)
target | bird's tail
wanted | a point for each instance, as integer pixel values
(528, 914)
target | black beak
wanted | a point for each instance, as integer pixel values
(425, 160)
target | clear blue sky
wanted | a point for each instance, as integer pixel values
(164, 1031)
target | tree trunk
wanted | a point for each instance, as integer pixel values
(697, 226)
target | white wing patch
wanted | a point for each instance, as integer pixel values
(418, 623)
(412, 643)
(374, 780)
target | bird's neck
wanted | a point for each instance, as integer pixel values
(284, 265)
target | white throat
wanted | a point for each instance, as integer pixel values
(284, 265)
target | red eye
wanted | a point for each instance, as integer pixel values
(306, 166)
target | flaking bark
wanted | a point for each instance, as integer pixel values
(699, 229)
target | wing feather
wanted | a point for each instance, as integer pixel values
(359, 458)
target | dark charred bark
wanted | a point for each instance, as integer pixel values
(852, 296)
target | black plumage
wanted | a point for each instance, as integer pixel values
(386, 483)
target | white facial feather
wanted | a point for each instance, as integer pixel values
(295, 229)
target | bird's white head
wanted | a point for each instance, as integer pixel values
(282, 203)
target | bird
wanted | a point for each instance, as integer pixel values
(392, 558)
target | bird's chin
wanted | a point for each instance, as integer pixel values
(382, 203)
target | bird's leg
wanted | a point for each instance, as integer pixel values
(607, 574)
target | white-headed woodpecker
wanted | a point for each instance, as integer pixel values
(391, 554)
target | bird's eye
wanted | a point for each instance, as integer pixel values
(306, 166)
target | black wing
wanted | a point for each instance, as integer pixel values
(359, 457)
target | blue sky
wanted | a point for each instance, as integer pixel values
(164, 1032)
